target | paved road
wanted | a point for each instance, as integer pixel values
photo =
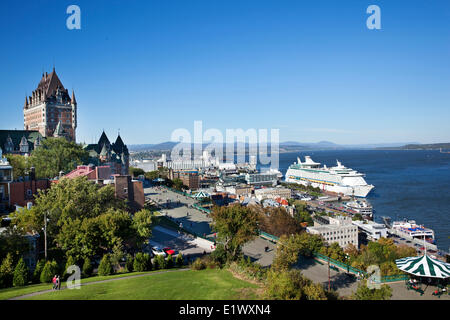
(189, 247)
(176, 206)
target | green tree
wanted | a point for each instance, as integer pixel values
(179, 261)
(70, 262)
(12, 241)
(285, 285)
(136, 172)
(50, 269)
(116, 256)
(287, 253)
(72, 207)
(315, 291)
(20, 274)
(235, 226)
(364, 293)
(105, 267)
(142, 224)
(129, 263)
(159, 262)
(290, 247)
(7, 271)
(178, 184)
(20, 164)
(55, 155)
(87, 267)
(142, 262)
(278, 221)
(38, 270)
(152, 175)
(169, 262)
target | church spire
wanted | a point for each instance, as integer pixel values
(73, 101)
(26, 102)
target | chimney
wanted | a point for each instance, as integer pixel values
(32, 174)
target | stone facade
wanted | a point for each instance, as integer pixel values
(50, 109)
(115, 155)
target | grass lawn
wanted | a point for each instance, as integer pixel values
(197, 285)
(19, 291)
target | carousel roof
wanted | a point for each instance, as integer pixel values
(424, 266)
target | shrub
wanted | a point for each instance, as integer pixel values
(87, 267)
(105, 267)
(142, 262)
(129, 263)
(38, 270)
(198, 264)
(219, 255)
(364, 293)
(7, 271)
(20, 274)
(70, 262)
(169, 262)
(159, 262)
(50, 269)
(179, 261)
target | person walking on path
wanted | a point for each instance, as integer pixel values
(54, 282)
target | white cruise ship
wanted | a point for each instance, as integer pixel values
(412, 229)
(338, 179)
(360, 206)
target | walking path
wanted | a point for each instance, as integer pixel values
(96, 282)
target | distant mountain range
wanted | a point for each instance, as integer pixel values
(427, 146)
(288, 146)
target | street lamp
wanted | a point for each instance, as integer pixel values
(45, 234)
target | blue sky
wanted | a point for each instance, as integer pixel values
(310, 68)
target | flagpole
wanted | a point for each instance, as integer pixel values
(425, 244)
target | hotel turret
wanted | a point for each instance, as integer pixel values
(50, 109)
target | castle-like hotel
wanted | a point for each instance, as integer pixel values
(50, 110)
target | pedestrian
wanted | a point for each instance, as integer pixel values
(54, 282)
(59, 283)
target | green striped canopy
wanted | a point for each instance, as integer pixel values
(424, 266)
(201, 194)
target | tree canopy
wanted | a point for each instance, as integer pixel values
(235, 225)
(277, 221)
(55, 155)
(84, 218)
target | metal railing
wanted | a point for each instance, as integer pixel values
(342, 265)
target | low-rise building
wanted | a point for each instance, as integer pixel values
(268, 179)
(190, 178)
(98, 174)
(373, 230)
(6, 177)
(339, 229)
(132, 190)
(239, 190)
(273, 193)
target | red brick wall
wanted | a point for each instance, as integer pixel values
(139, 197)
(19, 194)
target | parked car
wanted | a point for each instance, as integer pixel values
(169, 251)
(157, 251)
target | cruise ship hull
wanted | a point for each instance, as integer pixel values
(357, 191)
